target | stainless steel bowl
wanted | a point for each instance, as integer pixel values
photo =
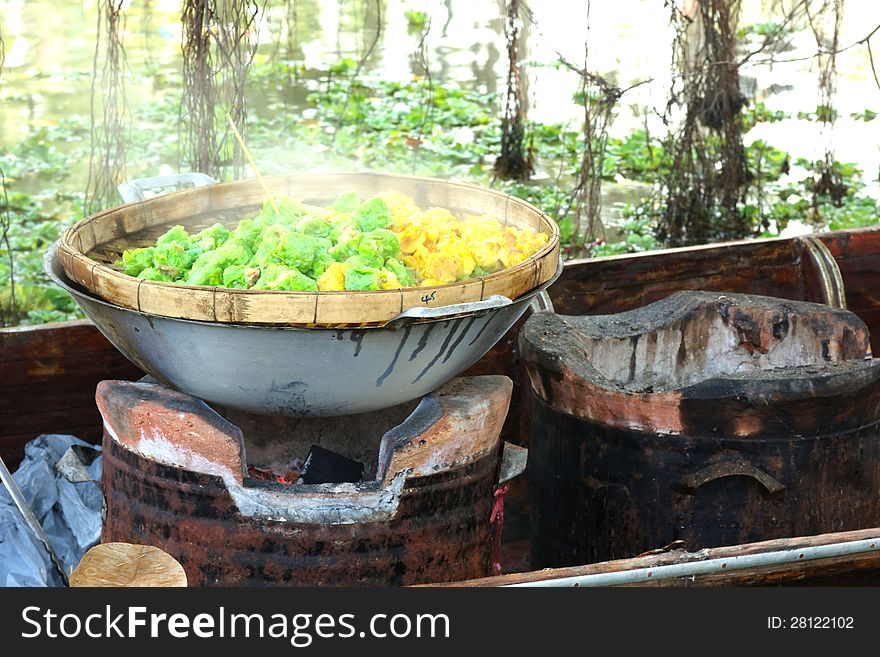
(304, 371)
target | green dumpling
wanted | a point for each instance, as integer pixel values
(405, 275)
(283, 246)
(250, 232)
(372, 214)
(240, 276)
(322, 260)
(134, 261)
(176, 234)
(289, 212)
(206, 240)
(378, 245)
(172, 259)
(209, 268)
(153, 274)
(278, 277)
(314, 226)
(359, 275)
(346, 238)
(347, 203)
(212, 237)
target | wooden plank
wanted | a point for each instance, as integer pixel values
(48, 375)
(614, 284)
(853, 243)
(867, 565)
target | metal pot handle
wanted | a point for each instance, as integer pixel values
(690, 483)
(132, 191)
(494, 302)
(540, 302)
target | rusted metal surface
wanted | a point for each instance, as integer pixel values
(721, 445)
(423, 518)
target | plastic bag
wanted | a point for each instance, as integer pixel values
(70, 513)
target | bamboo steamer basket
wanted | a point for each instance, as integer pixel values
(88, 250)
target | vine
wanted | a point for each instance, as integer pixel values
(217, 54)
(110, 118)
(8, 313)
(706, 185)
(516, 161)
(830, 181)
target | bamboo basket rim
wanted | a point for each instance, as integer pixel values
(88, 272)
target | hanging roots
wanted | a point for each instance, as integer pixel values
(830, 181)
(110, 120)
(363, 59)
(294, 50)
(516, 161)
(217, 54)
(709, 178)
(8, 309)
(422, 67)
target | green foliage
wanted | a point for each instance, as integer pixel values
(418, 127)
(866, 115)
(415, 20)
(636, 233)
(760, 113)
(766, 29)
(822, 114)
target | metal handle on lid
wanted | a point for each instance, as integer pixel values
(132, 191)
(690, 483)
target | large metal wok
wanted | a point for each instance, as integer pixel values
(304, 371)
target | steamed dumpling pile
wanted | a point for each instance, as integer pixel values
(385, 242)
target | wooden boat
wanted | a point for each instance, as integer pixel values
(48, 376)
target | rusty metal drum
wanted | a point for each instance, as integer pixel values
(175, 475)
(705, 418)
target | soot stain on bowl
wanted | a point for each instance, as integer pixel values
(387, 373)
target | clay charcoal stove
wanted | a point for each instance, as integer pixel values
(227, 494)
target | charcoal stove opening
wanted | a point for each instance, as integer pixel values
(277, 447)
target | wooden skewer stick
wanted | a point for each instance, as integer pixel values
(253, 164)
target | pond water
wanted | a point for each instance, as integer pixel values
(50, 47)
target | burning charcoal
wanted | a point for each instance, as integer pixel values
(325, 467)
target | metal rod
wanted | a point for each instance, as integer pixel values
(253, 164)
(712, 566)
(30, 518)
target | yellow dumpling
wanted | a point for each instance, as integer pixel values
(480, 229)
(442, 249)
(441, 266)
(411, 238)
(403, 209)
(389, 280)
(430, 282)
(486, 255)
(334, 216)
(511, 256)
(416, 260)
(527, 240)
(333, 277)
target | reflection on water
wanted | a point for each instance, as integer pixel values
(50, 46)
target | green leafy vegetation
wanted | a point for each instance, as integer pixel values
(323, 119)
